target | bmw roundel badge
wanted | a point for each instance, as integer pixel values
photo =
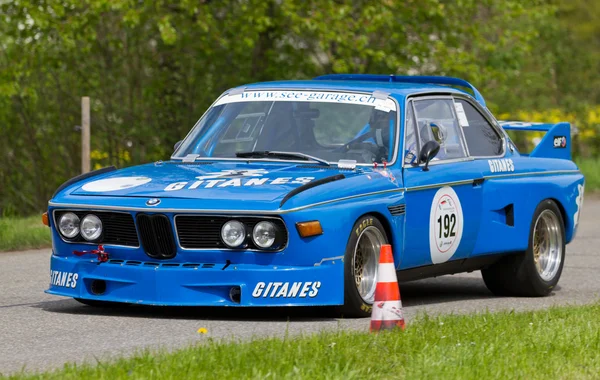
(152, 202)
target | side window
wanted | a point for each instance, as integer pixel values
(436, 121)
(481, 137)
(411, 148)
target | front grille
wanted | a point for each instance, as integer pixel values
(118, 228)
(204, 231)
(397, 209)
(156, 235)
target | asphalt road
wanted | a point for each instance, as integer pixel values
(38, 331)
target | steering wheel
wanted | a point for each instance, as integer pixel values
(376, 153)
(358, 143)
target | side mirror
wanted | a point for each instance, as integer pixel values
(428, 151)
(177, 145)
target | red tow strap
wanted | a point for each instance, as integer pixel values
(102, 255)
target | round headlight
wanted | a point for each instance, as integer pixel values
(68, 225)
(233, 233)
(91, 227)
(264, 234)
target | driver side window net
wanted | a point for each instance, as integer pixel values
(436, 120)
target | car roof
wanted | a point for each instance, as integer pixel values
(400, 90)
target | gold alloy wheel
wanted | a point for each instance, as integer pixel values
(365, 262)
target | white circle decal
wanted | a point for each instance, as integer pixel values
(445, 225)
(114, 184)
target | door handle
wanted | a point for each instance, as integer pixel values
(478, 182)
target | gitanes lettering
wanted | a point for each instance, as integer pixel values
(501, 165)
(236, 178)
(64, 279)
(286, 289)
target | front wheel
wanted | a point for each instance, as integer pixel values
(535, 272)
(361, 261)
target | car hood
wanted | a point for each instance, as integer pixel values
(214, 182)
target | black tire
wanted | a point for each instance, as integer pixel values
(98, 303)
(354, 305)
(517, 275)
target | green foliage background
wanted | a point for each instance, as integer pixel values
(152, 67)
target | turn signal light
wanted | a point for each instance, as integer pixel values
(307, 229)
(45, 219)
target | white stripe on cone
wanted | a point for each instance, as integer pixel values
(387, 311)
(386, 273)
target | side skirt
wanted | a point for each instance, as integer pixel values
(450, 267)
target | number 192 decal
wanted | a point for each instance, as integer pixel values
(445, 225)
(449, 225)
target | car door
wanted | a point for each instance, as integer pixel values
(488, 148)
(443, 202)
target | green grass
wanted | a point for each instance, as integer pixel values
(559, 343)
(23, 233)
(590, 167)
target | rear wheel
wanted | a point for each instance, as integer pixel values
(361, 261)
(535, 272)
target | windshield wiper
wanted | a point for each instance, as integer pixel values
(281, 155)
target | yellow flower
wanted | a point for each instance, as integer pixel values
(125, 156)
(202, 330)
(588, 133)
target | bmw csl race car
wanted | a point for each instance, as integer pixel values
(283, 193)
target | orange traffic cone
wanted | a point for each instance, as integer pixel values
(387, 307)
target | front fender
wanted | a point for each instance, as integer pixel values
(337, 217)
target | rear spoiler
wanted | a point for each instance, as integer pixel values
(556, 143)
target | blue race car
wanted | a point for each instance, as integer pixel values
(283, 193)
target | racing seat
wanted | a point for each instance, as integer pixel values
(304, 118)
(380, 124)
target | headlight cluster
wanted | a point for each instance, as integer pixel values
(233, 233)
(264, 235)
(89, 227)
(68, 225)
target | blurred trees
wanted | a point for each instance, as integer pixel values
(151, 68)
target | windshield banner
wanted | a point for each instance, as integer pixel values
(383, 104)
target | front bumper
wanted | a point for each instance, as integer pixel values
(179, 284)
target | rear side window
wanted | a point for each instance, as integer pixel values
(482, 139)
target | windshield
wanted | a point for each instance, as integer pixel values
(330, 126)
